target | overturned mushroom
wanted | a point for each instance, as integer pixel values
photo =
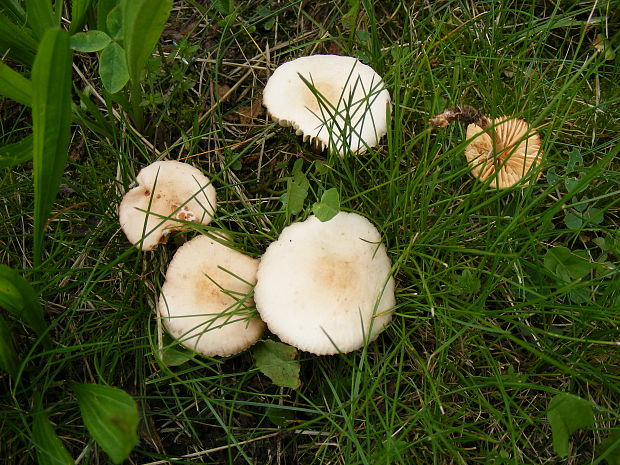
(168, 194)
(503, 149)
(336, 101)
(326, 287)
(205, 301)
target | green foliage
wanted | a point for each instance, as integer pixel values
(567, 265)
(113, 68)
(609, 448)
(111, 417)
(9, 360)
(19, 298)
(296, 190)
(328, 206)
(277, 361)
(17, 153)
(91, 41)
(40, 15)
(15, 86)
(566, 414)
(51, 121)
(51, 450)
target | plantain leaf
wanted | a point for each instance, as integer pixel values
(15, 86)
(79, 9)
(51, 449)
(16, 41)
(51, 121)
(19, 298)
(113, 68)
(111, 417)
(17, 153)
(143, 23)
(9, 361)
(40, 16)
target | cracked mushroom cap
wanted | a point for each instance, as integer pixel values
(326, 287)
(342, 105)
(205, 301)
(171, 192)
(505, 150)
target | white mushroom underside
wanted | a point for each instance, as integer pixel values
(344, 108)
(326, 287)
(205, 301)
(170, 191)
(506, 151)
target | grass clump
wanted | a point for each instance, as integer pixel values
(505, 298)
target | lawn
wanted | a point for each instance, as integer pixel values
(504, 345)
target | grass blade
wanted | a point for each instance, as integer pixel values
(40, 15)
(8, 357)
(51, 120)
(15, 86)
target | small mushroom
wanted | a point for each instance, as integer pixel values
(503, 149)
(326, 287)
(168, 194)
(336, 101)
(205, 301)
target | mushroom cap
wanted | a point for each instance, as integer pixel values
(170, 191)
(205, 301)
(347, 109)
(326, 287)
(506, 150)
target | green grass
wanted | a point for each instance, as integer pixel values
(484, 334)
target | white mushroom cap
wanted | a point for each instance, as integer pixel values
(505, 149)
(169, 191)
(326, 287)
(348, 114)
(205, 301)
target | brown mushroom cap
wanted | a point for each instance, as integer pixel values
(505, 150)
(169, 191)
(205, 300)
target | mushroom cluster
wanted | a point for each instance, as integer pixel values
(323, 287)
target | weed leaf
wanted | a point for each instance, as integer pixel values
(91, 41)
(51, 120)
(15, 86)
(19, 298)
(111, 417)
(143, 23)
(329, 206)
(277, 361)
(296, 190)
(8, 357)
(567, 265)
(19, 44)
(79, 8)
(51, 449)
(113, 68)
(566, 414)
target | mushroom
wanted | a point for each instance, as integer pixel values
(168, 194)
(326, 287)
(336, 101)
(503, 149)
(205, 301)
